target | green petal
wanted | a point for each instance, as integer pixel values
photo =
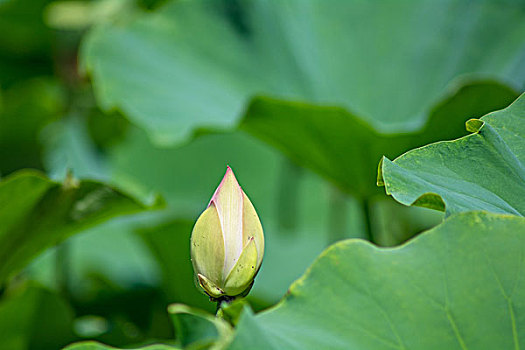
(207, 246)
(252, 228)
(243, 273)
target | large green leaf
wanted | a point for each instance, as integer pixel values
(482, 171)
(38, 213)
(345, 150)
(457, 286)
(189, 65)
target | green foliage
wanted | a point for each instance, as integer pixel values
(482, 171)
(302, 99)
(39, 213)
(167, 72)
(344, 149)
(456, 286)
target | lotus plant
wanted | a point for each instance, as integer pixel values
(227, 242)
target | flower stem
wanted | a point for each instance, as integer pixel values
(367, 219)
(224, 299)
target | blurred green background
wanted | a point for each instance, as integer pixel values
(113, 282)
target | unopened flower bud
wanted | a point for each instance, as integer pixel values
(227, 242)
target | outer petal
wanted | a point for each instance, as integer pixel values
(252, 228)
(228, 199)
(207, 246)
(243, 273)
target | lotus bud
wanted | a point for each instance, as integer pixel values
(227, 242)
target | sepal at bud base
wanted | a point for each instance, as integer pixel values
(209, 287)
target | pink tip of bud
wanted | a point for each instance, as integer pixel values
(229, 172)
